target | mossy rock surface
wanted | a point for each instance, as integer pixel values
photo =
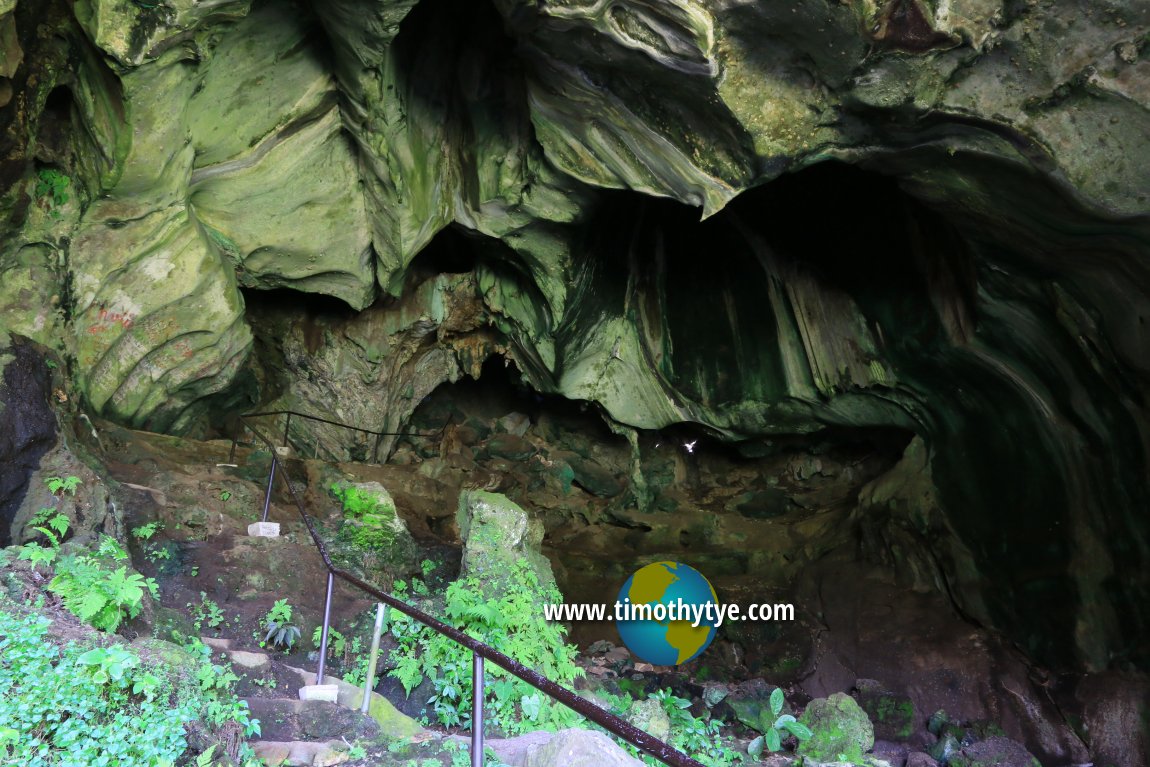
(497, 534)
(842, 731)
(893, 715)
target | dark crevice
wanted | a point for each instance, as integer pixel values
(27, 426)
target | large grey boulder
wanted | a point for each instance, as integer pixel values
(578, 748)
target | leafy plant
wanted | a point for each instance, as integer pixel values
(205, 613)
(72, 705)
(336, 643)
(108, 664)
(145, 532)
(216, 686)
(225, 495)
(54, 527)
(52, 186)
(153, 551)
(61, 485)
(280, 630)
(784, 725)
(512, 622)
(95, 592)
(205, 759)
(698, 737)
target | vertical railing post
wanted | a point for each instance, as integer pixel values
(476, 710)
(268, 494)
(369, 681)
(287, 429)
(326, 627)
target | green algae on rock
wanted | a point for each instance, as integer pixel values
(842, 731)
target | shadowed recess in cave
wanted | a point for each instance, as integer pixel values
(833, 293)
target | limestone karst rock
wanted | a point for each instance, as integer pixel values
(761, 218)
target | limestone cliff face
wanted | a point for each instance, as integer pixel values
(657, 212)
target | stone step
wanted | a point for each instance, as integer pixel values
(286, 720)
(255, 661)
(392, 722)
(216, 643)
(279, 717)
(300, 753)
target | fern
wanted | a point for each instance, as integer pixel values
(95, 593)
(510, 621)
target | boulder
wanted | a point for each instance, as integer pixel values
(842, 731)
(994, 752)
(650, 717)
(579, 748)
(498, 534)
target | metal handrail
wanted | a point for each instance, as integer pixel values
(662, 751)
(379, 435)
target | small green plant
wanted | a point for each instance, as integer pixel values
(145, 532)
(8, 740)
(225, 495)
(205, 759)
(153, 551)
(280, 630)
(205, 613)
(53, 526)
(336, 643)
(784, 725)
(61, 485)
(52, 187)
(269, 683)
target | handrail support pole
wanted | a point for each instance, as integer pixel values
(268, 494)
(369, 681)
(476, 709)
(326, 628)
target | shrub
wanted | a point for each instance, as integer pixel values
(96, 591)
(84, 706)
(512, 623)
(699, 738)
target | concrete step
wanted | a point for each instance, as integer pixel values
(254, 661)
(392, 722)
(300, 753)
(279, 717)
(286, 720)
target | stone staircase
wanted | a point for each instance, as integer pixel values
(316, 733)
(298, 733)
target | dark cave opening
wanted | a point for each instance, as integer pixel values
(479, 85)
(451, 251)
(55, 132)
(711, 296)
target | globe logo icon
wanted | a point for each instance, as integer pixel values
(656, 610)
